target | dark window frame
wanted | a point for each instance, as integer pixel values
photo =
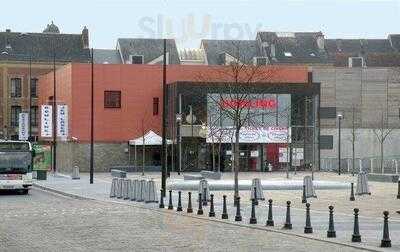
(33, 91)
(326, 142)
(17, 93)
(156, 102)
(327, 112)
(15, 111)
(112, 99)
(34, 116)
(135, 59)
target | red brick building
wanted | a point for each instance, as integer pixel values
(124, 97)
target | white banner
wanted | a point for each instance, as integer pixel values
(23, 128)
(62, 122)
(46, 121)
(283, 155)
(250, 135)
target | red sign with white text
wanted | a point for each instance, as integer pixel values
(253, 104)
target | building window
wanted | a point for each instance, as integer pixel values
(34, 87)
(326, 142)
(15, 111)
(16, 87)
(34, 116)
(112, 99)
(327, 112)
(137, 59)
(155, 105)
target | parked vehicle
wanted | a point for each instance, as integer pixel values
(16, 165)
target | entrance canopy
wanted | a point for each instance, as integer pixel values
(150, 138)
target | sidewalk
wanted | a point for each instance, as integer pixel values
(370, 212)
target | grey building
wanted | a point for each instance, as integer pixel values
(360, 80)
(146, 51)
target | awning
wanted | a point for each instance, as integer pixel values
(150, 138)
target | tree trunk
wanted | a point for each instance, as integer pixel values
(213, 153)
(236, 163)
(382, 157)
(353, 156)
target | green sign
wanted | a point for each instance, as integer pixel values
(42, 159)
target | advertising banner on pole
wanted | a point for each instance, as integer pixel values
(23, 128)
(62, 122)
(46, 121)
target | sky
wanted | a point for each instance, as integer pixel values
(189, 21)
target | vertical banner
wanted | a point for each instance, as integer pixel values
(23, 128)
(47, 121)
(62, 122)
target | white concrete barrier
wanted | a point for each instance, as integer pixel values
(222, 185)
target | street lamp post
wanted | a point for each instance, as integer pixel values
(339, 116)
(179, 121)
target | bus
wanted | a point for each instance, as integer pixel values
(16, 159)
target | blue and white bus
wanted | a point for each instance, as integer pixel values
(16, 165)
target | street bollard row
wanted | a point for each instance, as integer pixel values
(123, 188)
(135, 190)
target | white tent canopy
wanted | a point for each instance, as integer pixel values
(150, 138)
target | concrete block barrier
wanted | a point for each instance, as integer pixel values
(309, 187)
(151, 192)
(119, 188)
(113, 190)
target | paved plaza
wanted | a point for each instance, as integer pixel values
(371, 207)
(43, 221)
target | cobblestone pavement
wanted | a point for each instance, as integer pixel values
(43, 221)
(371, 207)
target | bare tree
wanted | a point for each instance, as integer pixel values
(382, 131)
(234, 102)
(353, 137)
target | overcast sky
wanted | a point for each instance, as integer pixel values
(188, 21)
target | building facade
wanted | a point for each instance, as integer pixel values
(360, 80)
(23, 58)
(128, 103)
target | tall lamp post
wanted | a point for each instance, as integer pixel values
(179, 121)
(164, 121)
(339, 116)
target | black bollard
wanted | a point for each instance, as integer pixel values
(331, 230)
(288, 224)
(304, 198)
(352, 198)
(200, 210)
(255, 197)
(170, 206)
(398, 189)
(161, 200)
(224, 211)
(386, 242)
(253, 219)
(211, 213)
(356, 233)
(189, 208)
(270, 221)
(179, 208)
(308, 228)
(238, 217)
(205, 197)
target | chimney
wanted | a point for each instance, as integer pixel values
(85, 38)
(321, 42)
(273, 51)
